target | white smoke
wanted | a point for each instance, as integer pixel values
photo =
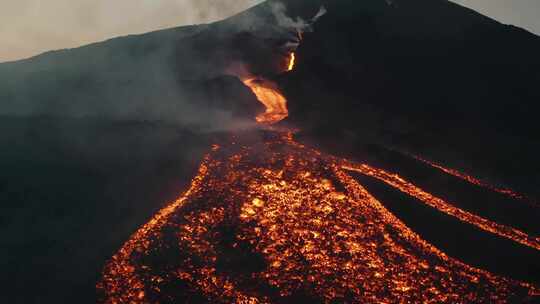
(322, 12)
(300, 25)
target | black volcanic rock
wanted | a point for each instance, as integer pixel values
(430, 77)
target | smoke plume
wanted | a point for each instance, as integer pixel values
(300, 25)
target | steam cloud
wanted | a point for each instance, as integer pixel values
(280, 12)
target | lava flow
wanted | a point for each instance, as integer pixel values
(269, 95)
(475, 181)
(399, 183)
(273, 221)
(292, 61)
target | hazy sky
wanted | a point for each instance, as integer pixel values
(29, 27)
(522, 13)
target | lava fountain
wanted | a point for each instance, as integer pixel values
(274, 221)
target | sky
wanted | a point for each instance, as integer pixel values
(30, 27)
(522, 13)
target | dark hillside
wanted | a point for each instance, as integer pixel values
(430, 77)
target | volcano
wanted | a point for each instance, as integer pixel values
(347, 152)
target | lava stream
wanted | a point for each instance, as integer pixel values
(404, 186)
(475, 181)
(292, 61)
(269, 95)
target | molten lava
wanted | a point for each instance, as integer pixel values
(404, 186)
(273, 221)
(269, 95)
(292, 61)
(475, 181)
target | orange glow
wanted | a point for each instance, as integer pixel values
(397, 182)
(292, 60)
(476, 181)
(312, 228)
(276, 221)
(269, 95)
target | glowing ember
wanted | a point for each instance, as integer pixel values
(292, 61)
(279, 223)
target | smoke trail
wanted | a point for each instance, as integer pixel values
(300, 25)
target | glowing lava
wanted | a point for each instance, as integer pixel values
(269, 95)
(475, 181)
(399, 183)
(276, 222)
(292, 61)
(272, 221)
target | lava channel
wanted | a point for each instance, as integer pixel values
(276, 222)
